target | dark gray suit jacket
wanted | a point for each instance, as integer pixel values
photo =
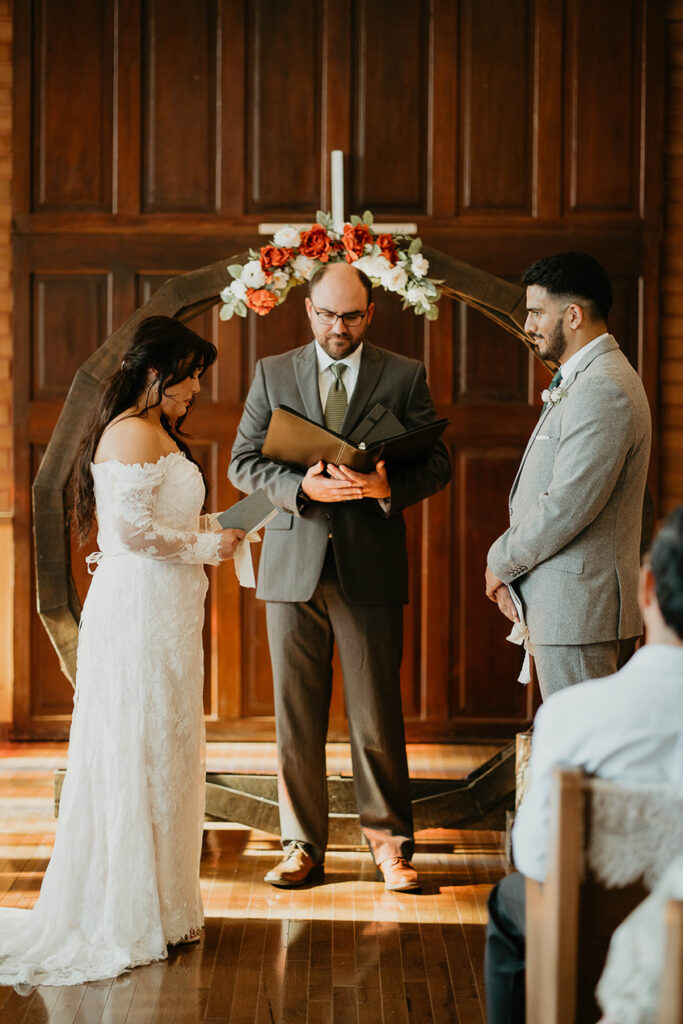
(369, 545)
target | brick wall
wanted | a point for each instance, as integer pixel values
(671, 350)
(6, 499)
(6, 485)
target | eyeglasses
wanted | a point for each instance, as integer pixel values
(348, 319)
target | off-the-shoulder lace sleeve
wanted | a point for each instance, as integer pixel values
(134, 498)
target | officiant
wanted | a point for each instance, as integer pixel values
(334, 569)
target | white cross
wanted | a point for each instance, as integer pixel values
(337, 189)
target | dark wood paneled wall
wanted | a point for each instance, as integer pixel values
(150, 139)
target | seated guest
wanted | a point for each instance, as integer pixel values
(627, 727)
(629, 989)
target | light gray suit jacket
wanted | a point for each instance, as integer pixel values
(369, 546)
(573, 546)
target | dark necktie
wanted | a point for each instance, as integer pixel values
(557, 380)
(337, 399)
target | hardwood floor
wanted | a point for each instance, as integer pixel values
(343, 952)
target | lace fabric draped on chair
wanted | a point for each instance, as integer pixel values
(633, 833)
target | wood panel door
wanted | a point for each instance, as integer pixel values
(153, 141)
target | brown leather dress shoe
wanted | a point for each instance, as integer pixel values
(296, 868)
(398, 875)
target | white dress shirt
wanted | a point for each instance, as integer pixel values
(573, 363)
(325, 375)
(627, 727)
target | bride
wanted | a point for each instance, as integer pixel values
(123, 880)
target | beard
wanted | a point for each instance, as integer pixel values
(557, 344)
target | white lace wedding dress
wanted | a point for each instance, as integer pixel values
(123, 880)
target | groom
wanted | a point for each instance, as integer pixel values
(334, 568)
(572, 550)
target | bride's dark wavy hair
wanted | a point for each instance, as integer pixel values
(174, 352)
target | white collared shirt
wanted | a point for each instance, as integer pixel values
(627, 727)
(574, 361)
(325, 375)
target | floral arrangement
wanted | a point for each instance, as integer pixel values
(394, 262)
(553, 396)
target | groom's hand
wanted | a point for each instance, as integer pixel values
(318, 487)
(506, 604)
(497, 591)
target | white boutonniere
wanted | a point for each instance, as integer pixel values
(554, 396)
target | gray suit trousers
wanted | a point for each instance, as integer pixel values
(369, 640)
(560, 665)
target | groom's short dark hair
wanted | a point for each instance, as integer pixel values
(666, 559)
(573, 276)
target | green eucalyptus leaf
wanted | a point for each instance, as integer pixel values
(241, 308)
(432, 313)
(225, 312)
(368, 218)
(414, 246)
(355, 220)
(235, 270)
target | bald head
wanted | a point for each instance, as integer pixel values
(339, 288)
(344, 271)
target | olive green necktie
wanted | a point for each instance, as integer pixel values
(337, 399)
(555, 382)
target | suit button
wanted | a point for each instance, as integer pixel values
(326, 515)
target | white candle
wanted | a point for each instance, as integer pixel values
(337, 179)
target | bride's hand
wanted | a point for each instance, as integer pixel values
(230, 540)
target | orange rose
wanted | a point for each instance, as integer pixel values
(355, 239)
(315, 244)
(272, 257)
(388, 248)
(261, 300)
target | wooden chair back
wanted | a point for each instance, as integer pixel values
(570, 917)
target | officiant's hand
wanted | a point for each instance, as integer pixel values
(229, 542)
(373, 485)
(318, 487)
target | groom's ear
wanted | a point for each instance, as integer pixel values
(575, 315)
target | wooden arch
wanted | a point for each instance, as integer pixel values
(184, 297)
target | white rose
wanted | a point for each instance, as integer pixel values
(252, 275)
(279, 280)
(394, 279)
(418, 297)
(373, 266)
(304, 267)
(419, 265)
(239, 289)
(288, 237)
